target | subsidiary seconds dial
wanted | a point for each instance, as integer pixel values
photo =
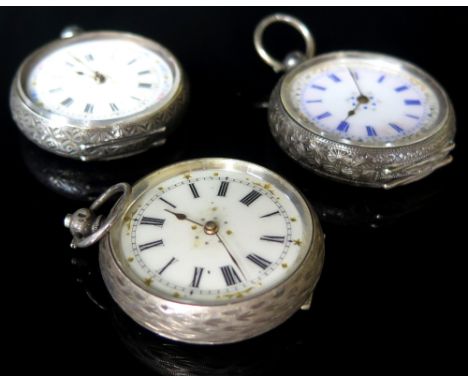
(212, 234)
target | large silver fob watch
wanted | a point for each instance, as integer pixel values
(206, 251)
(365, 119)
(98, 95)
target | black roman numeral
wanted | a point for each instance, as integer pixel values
(89, 57)
(67, 102)
(151, 245)
(168, 203)
(276, 239)
(194, 190)
(223, 188)
(113, 107)
(258, 260)
(230, 275)
(152, 221)
(197, 274)
(250, 197)
(167, 265)
(89, 108)
(271, 214)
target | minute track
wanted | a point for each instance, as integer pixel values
(207, 186)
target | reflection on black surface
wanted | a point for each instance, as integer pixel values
(85, 181)
(263, 355)
(368, 208)
(266, 354)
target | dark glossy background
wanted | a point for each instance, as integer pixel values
(393, 294)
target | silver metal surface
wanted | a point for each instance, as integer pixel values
(382, 166)
(103, 139)
(222, 321)
(290, 60)
(70, 31)
(86, 227)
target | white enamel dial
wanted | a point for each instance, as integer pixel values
(216, 235)
(98, 79)
(363, 102)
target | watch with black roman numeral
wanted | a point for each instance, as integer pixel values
(206, 251)
(365, 119)
(98, 95)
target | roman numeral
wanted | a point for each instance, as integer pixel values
(371, 131)
(223, 188)
(143, 72)
(89, 108)
(324, 115)
(168, 203)
(113, 106)
(144, 85)
(318, 87)
(258, 260)
(151, 245)
(401, 88)
(152, 221)
(89, 57)
(270, 214)
(343, 126)
(67, 102)
(230, 275)
(275, 239)
(250, 197)
(194, 190)
(412, 102)
(396, 127)
(197, 274)
(131, 62)
(334, 77)
(167, 265)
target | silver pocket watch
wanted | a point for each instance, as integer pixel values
(206, 251)
(98, 95)
(361, 118)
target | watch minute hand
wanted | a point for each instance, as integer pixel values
(231, 256)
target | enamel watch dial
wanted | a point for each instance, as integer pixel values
(225, 246)
(98, 95)
(364, 102)
(361, 118)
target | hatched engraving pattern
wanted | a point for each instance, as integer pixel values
(358, 165)
(213, 324)
(109, 142)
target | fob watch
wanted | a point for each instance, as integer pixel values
(98, 95)
(206, 251)
(365, 119)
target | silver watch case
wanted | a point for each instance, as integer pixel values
(381, 167)
(98, 140)
(201, 323)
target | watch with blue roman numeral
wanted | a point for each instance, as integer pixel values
(206, 251)
(361, 118)
(98, 95)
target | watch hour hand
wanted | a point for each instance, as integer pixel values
(180, 216)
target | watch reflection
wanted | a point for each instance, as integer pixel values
(343, 205)
(275, 352)
(85, 181)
